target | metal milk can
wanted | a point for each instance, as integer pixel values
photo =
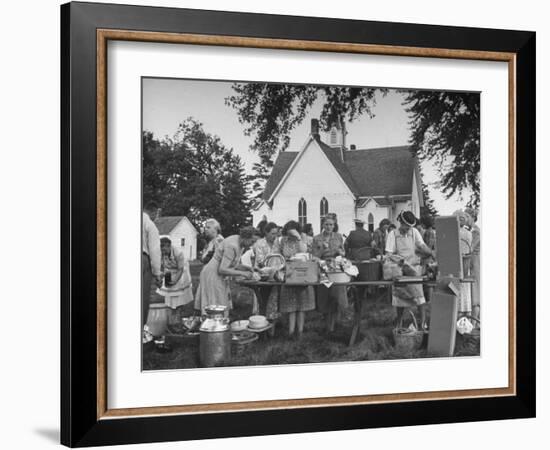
(215, 337)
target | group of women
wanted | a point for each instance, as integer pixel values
(410, 244)
(223, 259)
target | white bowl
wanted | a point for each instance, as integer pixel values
(257, 322)
(239, 325)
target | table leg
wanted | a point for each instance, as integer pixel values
(263, 293)
(358, 306)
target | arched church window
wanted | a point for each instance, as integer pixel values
(371, 222)
(302, 212)
(324, 210)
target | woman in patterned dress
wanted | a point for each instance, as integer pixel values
(214, 286)
(326, 246)
(264, 247)
(294, 300)
(213, 232)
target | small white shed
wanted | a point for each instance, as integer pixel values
(181, 232)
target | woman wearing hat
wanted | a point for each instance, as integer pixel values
(405, 246)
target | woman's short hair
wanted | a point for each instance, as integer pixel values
(165, 241)
(427, 221)
(291, 225)
(308, 228)
(269, 226)
(459, 213)
(384, 222)
(247, 232)
(216, 224)
(472, 213)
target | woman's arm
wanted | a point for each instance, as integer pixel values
(180, 260)
(317, 247)
(302, 245)
(340, 250)
(226, 268)
(420, 244)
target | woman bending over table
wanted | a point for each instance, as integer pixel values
(214, 284)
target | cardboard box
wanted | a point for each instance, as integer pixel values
(302, 272)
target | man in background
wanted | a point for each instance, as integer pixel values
(357, 239)
(150, 257)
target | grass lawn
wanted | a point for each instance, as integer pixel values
(315, 345)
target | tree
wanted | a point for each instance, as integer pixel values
(444, 125)
(195, 175)
(259, 177)
(429, 208)
(271, 111)
(445, 129)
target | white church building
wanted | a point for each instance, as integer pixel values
(368, 184)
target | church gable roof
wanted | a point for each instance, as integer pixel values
(282, 164)
(335, 157)
(385, 171)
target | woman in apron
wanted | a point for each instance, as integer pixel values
(176, 288)
(404, 246)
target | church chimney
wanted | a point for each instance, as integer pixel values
(315, 128)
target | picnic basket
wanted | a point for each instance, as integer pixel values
(408, 340)
(274, 263)
(473, 337)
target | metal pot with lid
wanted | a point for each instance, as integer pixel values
(215, 337)
(215, 320)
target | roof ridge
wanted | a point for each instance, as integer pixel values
(378, 148)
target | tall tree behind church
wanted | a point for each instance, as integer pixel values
(445, 129)
(444, 125)
(194, 174)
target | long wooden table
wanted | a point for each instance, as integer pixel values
(263, 288)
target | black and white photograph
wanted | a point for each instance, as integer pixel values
(301, 223)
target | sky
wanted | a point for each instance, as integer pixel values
(167, 102)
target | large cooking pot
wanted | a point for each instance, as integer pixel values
(363, 253)
(369, 270)
(157, 319)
